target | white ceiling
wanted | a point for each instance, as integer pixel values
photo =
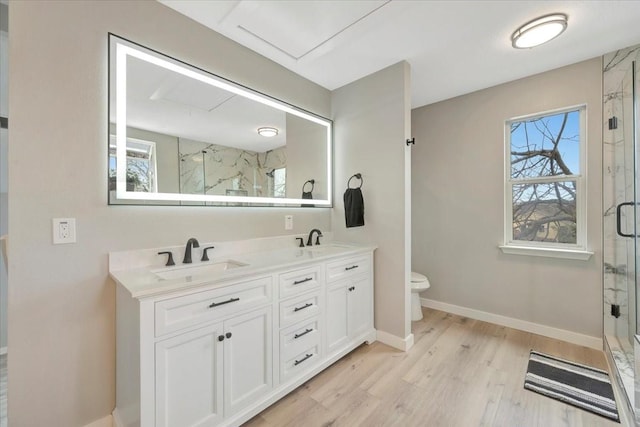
(454, 47)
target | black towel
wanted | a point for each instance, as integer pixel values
(353, 207)
(307, 195)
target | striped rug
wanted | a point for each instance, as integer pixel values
(578, 385)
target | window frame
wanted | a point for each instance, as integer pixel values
(576, 250)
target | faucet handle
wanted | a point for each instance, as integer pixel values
(169, 259)
(301, 241)
(205, 257)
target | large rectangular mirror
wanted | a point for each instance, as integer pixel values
(181, 135)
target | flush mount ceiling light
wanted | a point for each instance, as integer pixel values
(268, 132)
(539, 31)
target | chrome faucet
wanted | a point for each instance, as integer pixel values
(191, 243)
(310, 240)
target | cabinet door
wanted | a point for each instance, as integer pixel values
(248, 367)
(337, 317)
(359, 306)
(189, 378)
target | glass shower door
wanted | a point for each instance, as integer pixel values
(621, 255)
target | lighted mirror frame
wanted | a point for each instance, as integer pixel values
(119, 51)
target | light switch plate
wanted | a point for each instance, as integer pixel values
(64, 230)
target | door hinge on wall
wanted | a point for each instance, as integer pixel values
(615, 310)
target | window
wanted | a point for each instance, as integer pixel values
(545, 199)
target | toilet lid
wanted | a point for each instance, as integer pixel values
(417, 277)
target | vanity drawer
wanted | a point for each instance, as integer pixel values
(346, 268)
(295, 339)
(298, 281)
(299, 363)
(181, 312)
(299, 308)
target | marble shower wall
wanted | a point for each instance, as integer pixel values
(618, 187)
(214, 169)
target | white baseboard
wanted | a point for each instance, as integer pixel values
(523, 325)
(102, 422)
(403, 344)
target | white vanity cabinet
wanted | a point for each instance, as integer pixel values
(349, 301)
(218, 353)
(219, 369)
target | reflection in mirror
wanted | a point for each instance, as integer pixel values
(180, 135)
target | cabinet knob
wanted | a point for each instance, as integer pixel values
(220, 337)
(228, 334)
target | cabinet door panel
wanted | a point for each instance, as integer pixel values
(360, 307)
(337, 317)
(248, 369)
(189, 379)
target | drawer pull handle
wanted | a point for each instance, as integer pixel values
(351, 268)
(303, 307)
(228, 335)
(220, 337)
(296, 336)
(297, 362)
(353, 288)
(215, 304)
(297, 282)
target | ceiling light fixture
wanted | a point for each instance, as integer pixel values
(268, 132)
(539, 31)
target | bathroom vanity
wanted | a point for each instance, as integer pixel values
(217, 342)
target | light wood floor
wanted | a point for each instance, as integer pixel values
(3, 390)
(460, 372)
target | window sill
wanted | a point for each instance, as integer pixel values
(546, 252)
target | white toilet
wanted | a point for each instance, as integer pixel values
(419, 283)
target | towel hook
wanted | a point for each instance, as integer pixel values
(357, 176)
(313, 184)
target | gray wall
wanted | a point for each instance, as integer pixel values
(306, 157)
(4, 139)
(372, 117)
(458, 167)
(61, 301)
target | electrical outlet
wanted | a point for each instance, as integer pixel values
(288, 222)
(64, 230)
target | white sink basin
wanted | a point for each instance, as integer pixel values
(197, 270)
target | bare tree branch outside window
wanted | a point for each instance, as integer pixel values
(545, 159)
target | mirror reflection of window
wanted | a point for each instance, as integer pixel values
(141, 165)
(279, 182)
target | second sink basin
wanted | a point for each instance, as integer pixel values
(197, 270)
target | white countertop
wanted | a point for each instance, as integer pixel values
(143, 282)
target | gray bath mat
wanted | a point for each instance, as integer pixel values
(578, 385)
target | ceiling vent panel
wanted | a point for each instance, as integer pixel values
(296, 28)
